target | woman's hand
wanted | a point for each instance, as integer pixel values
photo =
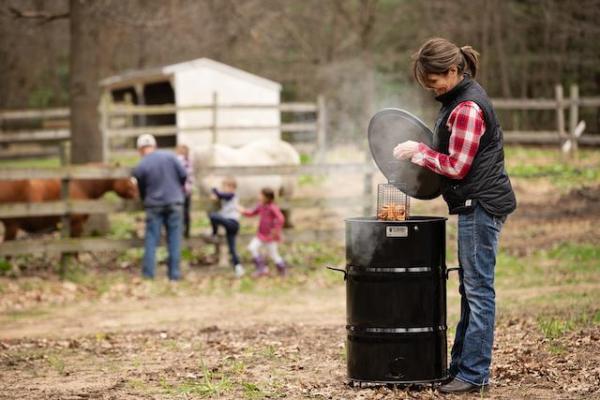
(406, 150)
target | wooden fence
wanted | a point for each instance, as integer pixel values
(55, 140)
(315, 128)
(569, 133)
(66, 207)
(49, 140)
(568, 137)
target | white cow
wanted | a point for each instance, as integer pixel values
(258, 153)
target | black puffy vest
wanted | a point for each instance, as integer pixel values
(487, 182)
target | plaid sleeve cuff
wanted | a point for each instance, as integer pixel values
(419, 157)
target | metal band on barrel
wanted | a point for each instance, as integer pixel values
(395, 270)
(396, 330)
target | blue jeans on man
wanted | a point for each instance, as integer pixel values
(478, 234)
(171, 216)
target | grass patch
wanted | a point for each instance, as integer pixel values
(122, 227)
(557, 348)
(583, 254)
(247, 285)
(561, 174)
(57, 363)
(207, 386)
(30, 313)
(307, 180)
(509, 266)
(138, 385)
(269, 352)
(252, 391)
(237, 367)
(536, 162)
(305, 159)
(554, 327)
(314, 254)
(566, 263)
(37, 162)
(5, 266)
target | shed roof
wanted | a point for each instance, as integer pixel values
(157, 74)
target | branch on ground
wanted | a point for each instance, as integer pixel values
(42, 16)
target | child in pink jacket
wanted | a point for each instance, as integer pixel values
(268, 235)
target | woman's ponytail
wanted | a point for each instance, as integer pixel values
(471, 57)
(437, 55)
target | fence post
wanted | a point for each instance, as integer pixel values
(62, 153)
(560, 116)
(103, 109)
(321, 128)
(66, 222)
(215, 109)
(573, 116)
(141, 101)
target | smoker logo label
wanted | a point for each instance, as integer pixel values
(396, 231)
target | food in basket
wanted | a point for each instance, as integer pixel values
(392, 212)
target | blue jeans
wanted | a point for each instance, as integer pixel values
(478, 234)
(171, 216)
(232, 228)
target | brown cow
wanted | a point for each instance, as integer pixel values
(40, 190)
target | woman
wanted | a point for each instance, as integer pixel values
(470, 158)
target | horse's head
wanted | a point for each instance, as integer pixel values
(126, 188)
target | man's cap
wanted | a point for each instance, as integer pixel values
(146, 140)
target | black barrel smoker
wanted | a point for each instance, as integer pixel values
(396, 269)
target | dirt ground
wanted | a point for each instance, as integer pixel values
(228, 339)
(246, 346)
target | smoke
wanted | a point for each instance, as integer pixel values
(350, 105)
(361, 242)
(355, 91)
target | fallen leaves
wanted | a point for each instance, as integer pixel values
(275, 361)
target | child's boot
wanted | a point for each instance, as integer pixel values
(239, 270)
(281, 268)
(261, 267)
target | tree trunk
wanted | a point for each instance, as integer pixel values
(86, 138)
(499, 32)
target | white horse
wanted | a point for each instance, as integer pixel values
(258, 153)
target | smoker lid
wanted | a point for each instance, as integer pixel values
(389, 127)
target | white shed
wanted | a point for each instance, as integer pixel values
(199, 83)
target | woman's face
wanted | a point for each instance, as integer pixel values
(442, 83)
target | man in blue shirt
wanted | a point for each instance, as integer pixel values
(160, 177)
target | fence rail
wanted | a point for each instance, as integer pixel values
(569, 132)
(67, 207)
(96, 172)
(134, 119)
(170, 130)
(74, 245)
(59, 208)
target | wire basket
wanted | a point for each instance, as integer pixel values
(392, 204)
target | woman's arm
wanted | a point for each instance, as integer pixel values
(467, 125)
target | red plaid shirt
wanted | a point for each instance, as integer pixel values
(466, 125)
